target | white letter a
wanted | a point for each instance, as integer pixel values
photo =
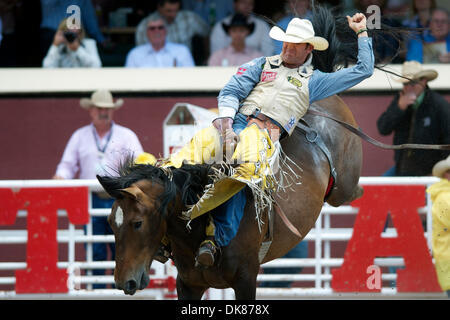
(374, 281)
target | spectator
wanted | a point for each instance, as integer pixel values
(159, 52)
(237, 53)
(182, 25)
(398, 8)
(421, 13)
(19, 31)
(416, 115)
(440, 197)
(434, 47)
(258, 40)
(211, 11)
(53, 11)
(296, 8)
(70, 49)
(91, 151)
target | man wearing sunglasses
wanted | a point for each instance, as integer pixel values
(416, 115)
(183, 26)
(158, 52)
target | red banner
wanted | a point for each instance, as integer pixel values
(42, 274)
(367, 244)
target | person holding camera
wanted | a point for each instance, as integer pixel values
(417, 114)
(71, 49)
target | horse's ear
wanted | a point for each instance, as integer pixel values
(133, 192)
(110, 186)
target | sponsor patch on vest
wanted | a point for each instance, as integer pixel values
(241, 71)
(290, 124)
(295, 81)
(267, 76)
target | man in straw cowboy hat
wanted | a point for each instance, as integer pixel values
(97, 148)
(262, 102)
(440, 197)
(417, 114)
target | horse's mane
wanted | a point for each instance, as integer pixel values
(343, 41)
(188, 180)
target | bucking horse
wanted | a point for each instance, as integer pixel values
(150, 200)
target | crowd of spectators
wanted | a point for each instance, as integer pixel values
(192, 32)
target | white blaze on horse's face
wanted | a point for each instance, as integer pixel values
(119, 216)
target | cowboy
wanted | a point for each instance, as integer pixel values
(417, 114)
(97, 149)
(262, 102)
(440, 197)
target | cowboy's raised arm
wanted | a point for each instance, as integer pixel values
(323, 85)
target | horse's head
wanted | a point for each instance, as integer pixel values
(144, 194)
(138, 227)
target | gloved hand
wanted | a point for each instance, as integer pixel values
(222, 124)
(229, 138)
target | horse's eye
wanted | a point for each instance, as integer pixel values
(137, 225)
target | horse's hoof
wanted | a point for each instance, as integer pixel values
(205, 255)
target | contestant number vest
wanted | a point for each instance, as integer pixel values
(281, 94)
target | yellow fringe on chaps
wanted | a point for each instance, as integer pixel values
(251, 154)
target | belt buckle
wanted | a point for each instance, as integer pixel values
(272, 129)
(274, 132)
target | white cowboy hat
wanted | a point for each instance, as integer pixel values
(102, 99)
(441, 167)
(414, 70)
(299, 31)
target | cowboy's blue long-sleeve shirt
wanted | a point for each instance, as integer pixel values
(321, 85)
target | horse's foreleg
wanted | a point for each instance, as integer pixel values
(245, 284)
(245, 290)
(186, 292)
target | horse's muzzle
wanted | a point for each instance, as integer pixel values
(131, 286)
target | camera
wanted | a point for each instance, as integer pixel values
(70, 36)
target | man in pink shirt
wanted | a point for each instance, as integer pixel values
(94, 149)
(237, 53)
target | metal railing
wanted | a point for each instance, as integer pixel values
(317, 269)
